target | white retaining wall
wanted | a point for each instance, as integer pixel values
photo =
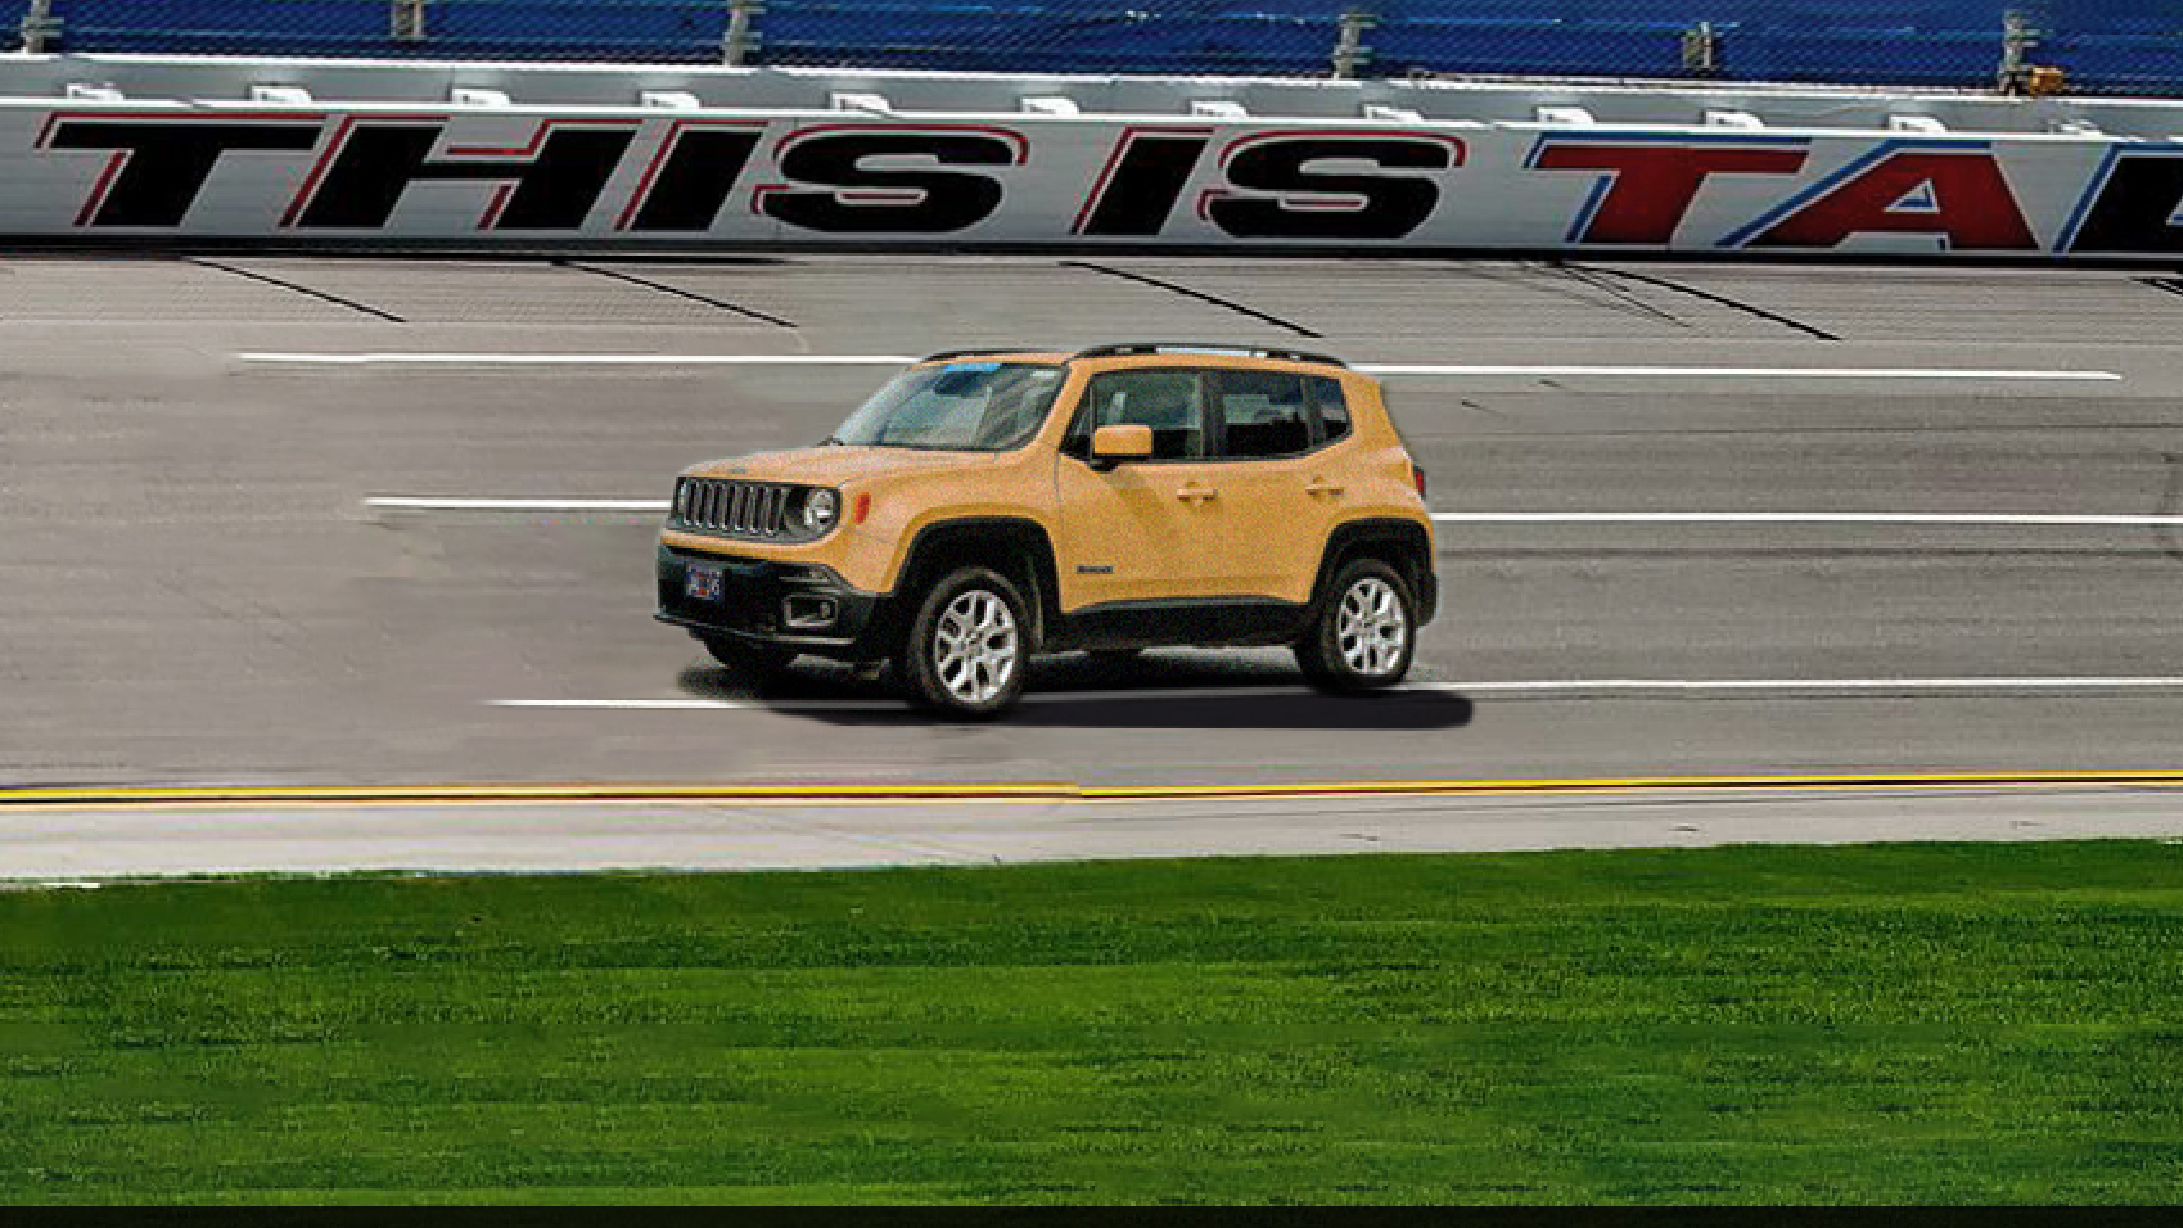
(300, 153)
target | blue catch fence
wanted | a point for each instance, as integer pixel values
(2101, 46)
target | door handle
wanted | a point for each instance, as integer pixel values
(1320, 486)
(1194, 493)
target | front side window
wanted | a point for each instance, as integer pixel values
(1166, 401)
(958, 407)
(1263, 414)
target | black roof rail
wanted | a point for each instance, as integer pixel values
(945, 355)
(1121, 348)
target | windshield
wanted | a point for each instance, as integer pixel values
(960, 407)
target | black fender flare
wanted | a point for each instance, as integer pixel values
(1405, 543)
(1016, 546)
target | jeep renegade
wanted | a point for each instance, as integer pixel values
(986, 505)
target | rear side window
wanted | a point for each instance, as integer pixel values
(1166, 401)
(1333, 407)
(1263, 413)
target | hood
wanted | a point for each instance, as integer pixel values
(837, 466)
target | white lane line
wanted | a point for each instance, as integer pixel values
(2043, 683)
(577, 360)
(1537, 686)
(1646, 372)
(1447, 370)
(516, 505)
(704, 705)
(1881, 518)
(2000, 519)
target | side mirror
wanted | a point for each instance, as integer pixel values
(1111, 445)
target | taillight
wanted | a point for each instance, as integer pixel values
(1418, 475)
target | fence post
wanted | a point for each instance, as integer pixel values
(2017, 74)
(738, 44)
(40, 26)
(1702, 50)
(407, 17)
(2018, 37)
(1349, 48)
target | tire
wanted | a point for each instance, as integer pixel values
(1365, 632)
(969, 646)
(748, 661)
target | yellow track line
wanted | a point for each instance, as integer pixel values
(387, 796)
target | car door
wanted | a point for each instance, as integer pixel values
(1142, 531)
(1283, 497)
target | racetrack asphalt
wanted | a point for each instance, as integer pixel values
(195, 589)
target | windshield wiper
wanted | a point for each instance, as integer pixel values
(832, 441)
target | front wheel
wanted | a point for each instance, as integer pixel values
(1365, 633)
(969, 645)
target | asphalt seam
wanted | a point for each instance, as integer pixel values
(661, 287)
(307, 291)
(1202, 296)
(1629, 299)
(2166, 285)
(1718, 300)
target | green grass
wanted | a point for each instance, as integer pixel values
(1973, 1023)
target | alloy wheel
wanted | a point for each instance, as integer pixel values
(1371, 630)
(976, 649)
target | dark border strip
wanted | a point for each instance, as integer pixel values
(321, 295)
(678, 292)
(1718, 300)
(1199, 295)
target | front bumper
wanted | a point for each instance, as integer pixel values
(754, 606)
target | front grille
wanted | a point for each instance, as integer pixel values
(735, 509)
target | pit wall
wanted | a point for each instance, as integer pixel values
(175, 153)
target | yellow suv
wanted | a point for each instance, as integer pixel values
(986, 505)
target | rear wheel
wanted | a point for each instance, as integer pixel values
(747, 661)
(969, 646)
(1365, 633)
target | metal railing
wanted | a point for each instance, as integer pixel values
(2112, 47)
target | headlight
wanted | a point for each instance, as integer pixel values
(820, 509)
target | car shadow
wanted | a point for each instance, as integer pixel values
(1074, 692)
(1392, 711)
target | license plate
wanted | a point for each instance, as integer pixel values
(702, 582)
